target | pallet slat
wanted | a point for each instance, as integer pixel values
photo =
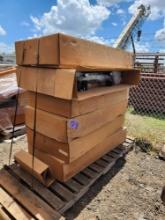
(72, 184)
(3, 215)
(27, 198)
(89, 173)
(96, 167)
(62, 191)
(40, 189)
(12, 207)
(107, 158)
(102, 163)
(82, 179)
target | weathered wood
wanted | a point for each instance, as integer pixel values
(27, 198)
(3, 215)
(73, 185)
(107, 158)
(90, 173)
(113, 154)
(96, 167)
(82, 179)
(40, 189)
(62, 191)
(12, 207)
(102, 163)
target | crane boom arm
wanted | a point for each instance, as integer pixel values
(134, 24)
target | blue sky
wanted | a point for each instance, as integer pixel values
(98, 20)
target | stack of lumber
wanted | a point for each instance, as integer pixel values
(8, 93)
(68, 129)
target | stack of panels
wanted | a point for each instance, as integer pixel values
(72, 129)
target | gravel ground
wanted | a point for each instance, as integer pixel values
(131, 191)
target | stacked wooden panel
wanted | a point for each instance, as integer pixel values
(69, 129)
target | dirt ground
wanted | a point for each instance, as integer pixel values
(131, 191)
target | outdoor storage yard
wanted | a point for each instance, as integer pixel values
(130, 192)
(82, 123)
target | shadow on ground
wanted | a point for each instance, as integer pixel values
(96, 188)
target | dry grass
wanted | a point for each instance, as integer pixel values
(149, 128)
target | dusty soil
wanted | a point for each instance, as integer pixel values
(131, 191)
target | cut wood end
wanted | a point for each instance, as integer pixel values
(40, 170)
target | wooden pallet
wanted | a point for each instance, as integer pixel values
(23, 197)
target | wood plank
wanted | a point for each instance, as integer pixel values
(112, 154)
(107, 158)
(29, 200)
(58, 188)
(8, 71)
(108, 168)
(3, 215)
(120, 147)
(118, 151)
(12, 207)
(74, 185)
(90, 173)
(40, 189)
(101, 163)
(96, 167)
(82, 179)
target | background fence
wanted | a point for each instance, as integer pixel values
(146, 112)
(149, 96)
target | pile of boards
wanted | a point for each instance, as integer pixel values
(8, 93)
(68, 129)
